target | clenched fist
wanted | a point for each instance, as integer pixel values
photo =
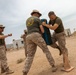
(10, 34)
(43, 23)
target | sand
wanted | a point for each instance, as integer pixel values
(40, 64)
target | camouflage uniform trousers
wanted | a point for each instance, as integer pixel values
(3, 59)
(60, 38)
(25, 47)
(33, 40)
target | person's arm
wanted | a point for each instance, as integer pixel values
(41, 28)
(4, 36)
(54, 27)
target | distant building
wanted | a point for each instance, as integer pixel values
(18, 43)
(67, 32)
(9, 46)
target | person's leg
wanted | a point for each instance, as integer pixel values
(5, 68)
(66, 61)
(41, 43)
(4, 65)
(61, 42)
(67, 67)
(31, 49)
(54, 45)
(25, 49)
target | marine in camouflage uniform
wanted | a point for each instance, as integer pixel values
(24, 39)
(3, 59)
(34, 39)
(48, 37)
(56, 24)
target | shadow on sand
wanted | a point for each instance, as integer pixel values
(49, 72)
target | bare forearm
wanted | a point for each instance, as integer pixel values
(49, 26)
(41, 28)
(54, 27)
(5, 36)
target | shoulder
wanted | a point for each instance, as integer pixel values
(29, 18)
(32, 18)
(58, 19)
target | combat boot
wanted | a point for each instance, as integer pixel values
(2, 70)
(8, 71)
(54, 68)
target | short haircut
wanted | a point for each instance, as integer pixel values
(51, 13)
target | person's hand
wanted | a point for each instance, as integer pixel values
(43, 23)
(9, 34)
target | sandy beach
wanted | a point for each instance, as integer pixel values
(40, 64)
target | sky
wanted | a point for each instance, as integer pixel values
(13, 14)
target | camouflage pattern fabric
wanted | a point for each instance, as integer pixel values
(60, 38)
(3, 59)
(24, 39)
(33, 40)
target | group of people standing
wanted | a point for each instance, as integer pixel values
(34, 38)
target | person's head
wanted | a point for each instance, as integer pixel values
(25, 31)
(36, 13)
(52, 15)
(1, 28)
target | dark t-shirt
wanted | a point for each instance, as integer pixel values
(2, 40)
(33, 24)
(59, 22)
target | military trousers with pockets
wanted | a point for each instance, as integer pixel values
(33, 40)
(60, 38)
(3, 59)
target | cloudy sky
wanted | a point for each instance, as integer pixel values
(13, 14)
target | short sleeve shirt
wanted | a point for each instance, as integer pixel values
(33, 24)
(59, 22)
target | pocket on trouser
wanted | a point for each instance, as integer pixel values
(62, 43)
(2, 55)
